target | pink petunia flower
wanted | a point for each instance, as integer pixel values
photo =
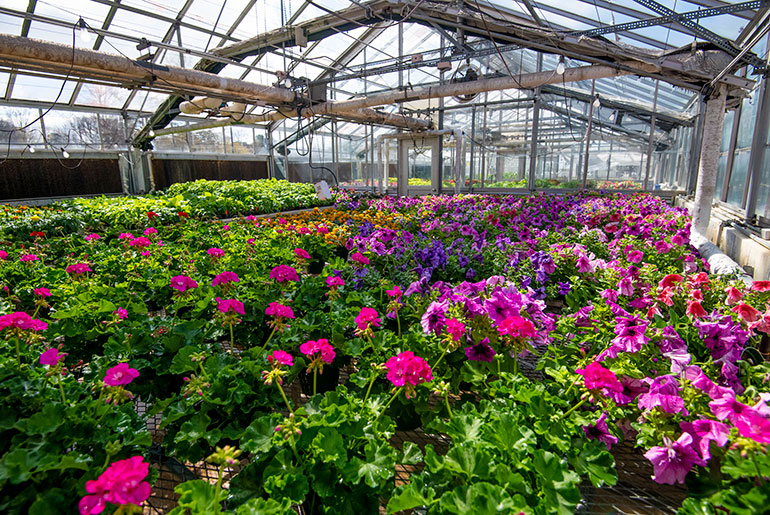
(672, 461)
(761, 286)
(746, 312)
(120, 374)
(734, 295)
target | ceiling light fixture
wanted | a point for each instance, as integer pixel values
(85, 36)
(560, 67)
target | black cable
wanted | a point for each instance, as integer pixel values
(40, 117)
(310, 161)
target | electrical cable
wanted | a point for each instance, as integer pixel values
(42, 114)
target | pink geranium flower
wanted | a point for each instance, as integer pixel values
(599, 379)
(51, 357)
(120, 374)
(78, 269)
(121, 313)
(122, 483)
(225, 279)
(455, 329)
(42, 292)
(150, 230)
(126, 236)
(140, 242)
(284, 273)
(322, 347)
(301, 254)
(28, 257)
(333, 281)
(182, 283)
(92, 237)
(215, 252)
(359, 258)
(366, 319)
(517, 327)
(280, 357)
(21, 321)
(408, 370)
(279, 310)
(3, 255)
(228, 305)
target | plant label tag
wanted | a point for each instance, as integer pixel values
(322, 190)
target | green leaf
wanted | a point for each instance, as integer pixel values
(182, 362)
(196, 497)
(329, 446)
(378, 467)
(265, 507)
(257, 438)
(598, 464)
(479, 499)
(194, 429)
(410, 454)
(413, 495)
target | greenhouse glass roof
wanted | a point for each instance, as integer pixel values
(349, 57)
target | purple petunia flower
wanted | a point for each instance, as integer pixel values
(434, 319)
(480, 351)
(672, 461)
(600, 431)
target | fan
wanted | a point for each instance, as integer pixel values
(466, 72)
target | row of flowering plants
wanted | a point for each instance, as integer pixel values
(435, 308)
(200, 199)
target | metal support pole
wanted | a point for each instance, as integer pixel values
(709, 159)
(609, 160)
(588, 136)
(533, 143)
(695, 146)
(473, 145)
(758, 145)
(651, 142)
(731, 157)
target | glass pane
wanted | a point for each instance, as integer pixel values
(738, 178)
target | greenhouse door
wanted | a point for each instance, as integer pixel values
(418, 166)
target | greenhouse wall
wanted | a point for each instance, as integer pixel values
(169, 170)
(56, 177)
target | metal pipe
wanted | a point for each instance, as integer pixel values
(651, 142)
(525, 81)
(588, 136)
(459, 159)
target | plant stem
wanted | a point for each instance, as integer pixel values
(61, 389)
(440, 358)
(515, 364)
(371, 382)
(262, 349)
(398, 324)
(18, 352)
(387, 405)
(576, 406)
(315, 376)
(446, 401)
(280, 389)
(218, 489)
(232, 340)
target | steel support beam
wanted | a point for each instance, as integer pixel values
(758, 146)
